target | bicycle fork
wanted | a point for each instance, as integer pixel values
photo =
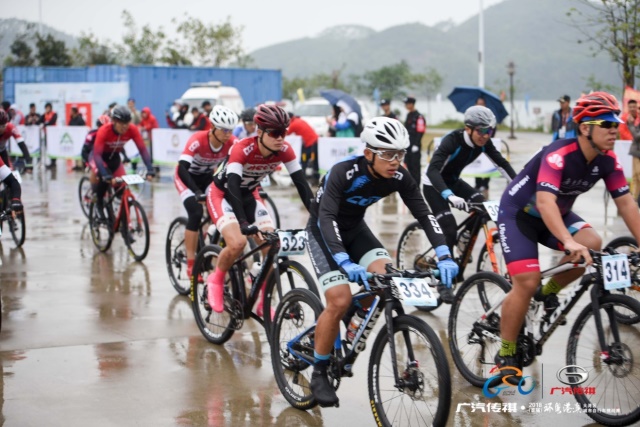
(605, 353)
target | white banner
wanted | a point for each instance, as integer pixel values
(65, 141)
(31, 135)
(332, 150)
(622, 152)
(481, 166)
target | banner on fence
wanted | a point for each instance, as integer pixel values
(65, 141)
(332, 150)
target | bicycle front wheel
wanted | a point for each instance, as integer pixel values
(611, 390)
(293, 275)
(292, 360)
(217, 328)
(474, 337)
(18, 228)
(136, 232)
(421, 395)
(415, 252)
(85, 194)
(100, 226)
(176, 256)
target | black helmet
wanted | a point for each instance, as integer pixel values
(121, 114)
(247, 115)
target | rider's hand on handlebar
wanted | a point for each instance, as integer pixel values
(355, 272)
(458, 202)
(577, 252)
(150, 176)
(16, 206)
(448, 271)
(248, 229)
(200, 197)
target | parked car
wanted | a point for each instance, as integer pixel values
(316, 110)
(215, 93)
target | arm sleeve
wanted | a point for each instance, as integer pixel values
(303, 188)
(438, 161)
(185, 176)
(328, 211)
(503, 165)
(234, 196)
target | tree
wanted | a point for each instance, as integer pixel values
(212, 44)
(143, 48)
(391, 80)
(613, 26)
(431, 81)
(52, 52)
(173, 56)
(21, 53)
(91, 52)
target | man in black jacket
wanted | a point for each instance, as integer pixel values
(416, 126)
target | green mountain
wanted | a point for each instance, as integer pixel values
(536, 35)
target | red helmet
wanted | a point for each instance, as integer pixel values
(595, 104)
(271, 117)
(4, 117)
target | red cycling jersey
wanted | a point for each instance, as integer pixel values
(108, 143)
(9, 131)
(201, 157)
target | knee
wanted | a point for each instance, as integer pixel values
(338, 306)
(236, 246)
(525, 288)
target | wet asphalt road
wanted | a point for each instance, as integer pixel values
(92, 339)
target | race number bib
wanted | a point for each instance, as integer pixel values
(492, 207)
(415, 292)
(615, 271)
(292, 242)
(132, 179)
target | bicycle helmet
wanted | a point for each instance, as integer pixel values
(247, 115)
(271, 117)
(385, 133)
(223, 118)
(4, 118)
(121, 113)
(597, 106)
(479, 116)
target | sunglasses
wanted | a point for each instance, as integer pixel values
(225, 131)
(276, 133)
(603, 124)
(390, 155)
(486, 131)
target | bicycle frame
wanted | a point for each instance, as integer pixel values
(123, 210)
(478, 219)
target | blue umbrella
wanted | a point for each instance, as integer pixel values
(464, 97)
(335, 95)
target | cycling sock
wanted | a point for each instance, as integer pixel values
(508, 348)
(190, 263)
(551, 287)
(321, 359)
(218, 275)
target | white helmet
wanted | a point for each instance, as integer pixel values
(385, 133)
(223, 118)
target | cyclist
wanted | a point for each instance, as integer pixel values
(233, 200)
(90, 139)
(204, 151)
(13, 186)
(341, 245)
(248, 127)
(105, 162)
(8, 130)
(536, 208)
(442, 185)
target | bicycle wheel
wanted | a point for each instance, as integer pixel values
(176, 256)
(612, 375)
(293, 275)
(85, 194)
(273, 210)
(217, 328)
(626, 245)
(101, 229)
(296, 313)
(484, 262)
(425, 395)
(136, 232)
(18, 228)
(470, 335)
(411, 254)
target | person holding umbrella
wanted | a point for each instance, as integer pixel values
(348, 120)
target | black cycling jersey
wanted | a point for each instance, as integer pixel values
(348, 189)
(454, 154)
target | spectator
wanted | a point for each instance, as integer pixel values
(199, 120)
(180, 119)
(15, 115)
(385, 104)
(49, 118)
(346, 122)
(630, 131)
(33, 118)
(135, 114)
(309, 153)
(247, 126)
(206, 112)
(76, 118)
(147, 122)
(416, 126)
(562, 124)
(630, 117)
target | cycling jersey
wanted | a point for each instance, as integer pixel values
(10, 181)
(457, 151)
(9, 131)
(200, 155)
(108, 143)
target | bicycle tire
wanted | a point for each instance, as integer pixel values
(101, 231)
(476, 362)
(176, 256)
(297, 312)
(602, 374)
(217, 328)
(85, 194)
(413, 405)
(135, 230)
(627, 244)
(272, 209)
(18, 229)
(289, 271)
(411, 255)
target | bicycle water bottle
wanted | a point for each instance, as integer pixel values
(211, 230)
(255, 269)
(463, 240)
(356, 320)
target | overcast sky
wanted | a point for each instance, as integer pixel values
(265, 22)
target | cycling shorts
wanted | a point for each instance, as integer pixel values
(201, 181)
(222, 214)
(114, 165)
(360, 243)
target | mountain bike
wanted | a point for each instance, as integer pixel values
(599, 344)
(85, 191)
(415, 252)
(16, 223)
(408, 376)
(131, 219)
(286, 274)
